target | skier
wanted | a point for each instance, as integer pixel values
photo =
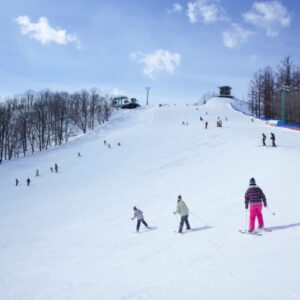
(272, 137)
(104, 142)
(138, 214)
(37, 173)
(254, 198)
(264, 139)
(201, 119)
(183, 211)
(206, 125)
(119, 144)
(182, 123)
(109, 146)
(56, 168)
(51, 169)
(28, 181)
(17, 182)
(79, 155)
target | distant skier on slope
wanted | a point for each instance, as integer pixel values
(264, 139)
(272, 137)
(183, 211)
(56, 168)
(206, 125)
(138, 214)
(254, 198)
(37, 173)
(28, 181)
(17, 182)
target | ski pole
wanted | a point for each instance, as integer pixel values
(273, 213)
(198, 218)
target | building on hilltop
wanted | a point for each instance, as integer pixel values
(225, 91)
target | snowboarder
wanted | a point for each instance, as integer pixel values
(206, 125)
(264, 139)
(183, 211)
(254, 198)
(272, 137)
(28, 181)
(37, 173)
(138, 214)
(17, 182)
(56, 168)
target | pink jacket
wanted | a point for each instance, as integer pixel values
(138, 214)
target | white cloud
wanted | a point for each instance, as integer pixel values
(157, 62)
(176, 8)
(271, 16)
(235, 36)
(208, 11)
(44, 33)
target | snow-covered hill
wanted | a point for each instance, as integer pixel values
(70, 236)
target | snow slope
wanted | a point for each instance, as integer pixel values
(70, 236)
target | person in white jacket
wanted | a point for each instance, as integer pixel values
(138, 214)
(183, 211)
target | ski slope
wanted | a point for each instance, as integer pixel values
(70, 235)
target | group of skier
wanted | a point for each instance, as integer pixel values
(37, 174)
(254, 201)
(272, 138)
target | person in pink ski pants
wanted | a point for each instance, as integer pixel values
(255, 198)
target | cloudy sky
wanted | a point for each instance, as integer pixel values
(181, 49)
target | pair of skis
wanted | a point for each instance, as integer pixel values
(257, 233)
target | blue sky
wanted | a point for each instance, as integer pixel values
(181, 49)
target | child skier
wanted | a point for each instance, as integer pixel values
(183, 211)
(138, 214)
(254, 198)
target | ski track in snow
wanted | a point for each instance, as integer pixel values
(69, 235)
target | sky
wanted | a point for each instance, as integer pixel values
(180, 49)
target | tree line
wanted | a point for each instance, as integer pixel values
(36, 121)
(275, 93)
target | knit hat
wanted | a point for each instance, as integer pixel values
(252, 181)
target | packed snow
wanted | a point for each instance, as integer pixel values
(70, 235)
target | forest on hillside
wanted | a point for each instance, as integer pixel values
(275, 93)
(36, 121)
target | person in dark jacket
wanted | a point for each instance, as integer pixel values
(255, 198)
(56, 168)
(272, 137)
(28, 181)
(264, 139)
(17, 182)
